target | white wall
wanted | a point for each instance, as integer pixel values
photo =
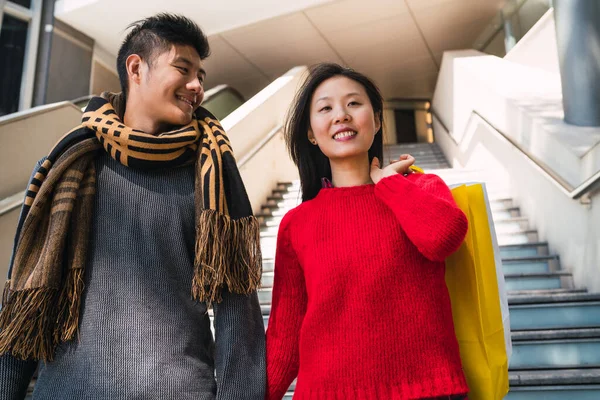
(247, 127)
(538, 47)
(26, 137)
(521, 101)
(523, 106)
(270, 165)
(248, 124)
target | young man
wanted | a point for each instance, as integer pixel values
(133, 226)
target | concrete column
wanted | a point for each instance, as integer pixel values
(42, 66)
(578, 43)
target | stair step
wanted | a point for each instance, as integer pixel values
(497, 206)
(429, 162)
(557, 315)
(552, 298)
(523, 237)
(419, 155)
(281, 203)
(499, 215)
(555, 377)
(265, 295)
(524, 250)
(277, 211)
(285, 196)
(523, 220)
(555, 354)
(515, 294)
(269, 232)
(512, 225)
(268, 265)
(405, 146)
(272, 221)
(556, 334)
(414, 151)
(533, 264)
(561, 384)
(562, 392)
(548, 280)
(267, 279)
(429, 165)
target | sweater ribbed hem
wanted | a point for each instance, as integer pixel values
(436, 387)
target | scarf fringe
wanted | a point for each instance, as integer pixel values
(27, 322)
(227, 256)
(69, 306)
(32, 323)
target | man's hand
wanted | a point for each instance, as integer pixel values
(400, 166)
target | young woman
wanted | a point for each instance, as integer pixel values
(360, 306)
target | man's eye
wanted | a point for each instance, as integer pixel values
(182, 69)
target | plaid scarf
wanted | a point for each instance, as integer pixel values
(42, 297)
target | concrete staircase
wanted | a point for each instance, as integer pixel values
(555, 326)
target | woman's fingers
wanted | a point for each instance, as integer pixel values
(402, 166)
(402, 158)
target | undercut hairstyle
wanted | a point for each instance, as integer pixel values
(152, 36)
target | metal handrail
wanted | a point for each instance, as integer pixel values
(569, 190)
(508, 11)
(10, 203)
(209, 94)
(259, 146)
(31, 112)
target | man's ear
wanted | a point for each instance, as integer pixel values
(134, 68)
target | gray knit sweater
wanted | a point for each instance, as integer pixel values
(141, 335)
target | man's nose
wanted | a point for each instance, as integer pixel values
(195, 85)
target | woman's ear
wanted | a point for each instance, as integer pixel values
(377, 121)
(311, 137)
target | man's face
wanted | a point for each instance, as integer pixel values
(172, 86)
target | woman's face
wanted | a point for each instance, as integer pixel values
(342, 120)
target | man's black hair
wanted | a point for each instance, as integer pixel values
(152, 36)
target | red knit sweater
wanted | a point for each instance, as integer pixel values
(360, 306)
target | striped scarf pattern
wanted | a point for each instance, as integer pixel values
(42, 297)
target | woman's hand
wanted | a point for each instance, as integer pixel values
(400, 166)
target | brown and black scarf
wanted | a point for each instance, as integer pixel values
(41, 302)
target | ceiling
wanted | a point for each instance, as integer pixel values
(398, 43)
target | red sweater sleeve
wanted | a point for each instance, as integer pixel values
(287, 313)
(426, 211)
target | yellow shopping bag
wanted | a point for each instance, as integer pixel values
(473, 287)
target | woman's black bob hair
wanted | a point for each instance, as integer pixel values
(311, 162)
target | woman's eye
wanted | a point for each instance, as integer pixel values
(326, 108)
(354, 103)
